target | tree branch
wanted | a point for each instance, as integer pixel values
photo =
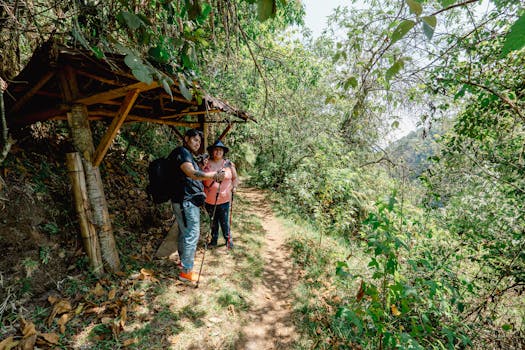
(500, 96)
(453, 6)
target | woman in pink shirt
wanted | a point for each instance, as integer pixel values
(219, 195)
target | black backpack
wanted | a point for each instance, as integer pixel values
(161, 180)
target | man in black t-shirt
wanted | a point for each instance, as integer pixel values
(187, 199)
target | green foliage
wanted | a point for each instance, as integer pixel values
(417, 150)
(266, 9)
(515, 39)
(401, 303)
(50, 228)
(30, 266)
(45, 254)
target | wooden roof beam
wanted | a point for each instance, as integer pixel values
(110, 134)
(178, 99)
(164, 122)
(116, 103)
(22, 101)
(101, 79)
(190, 113)
(116, 93)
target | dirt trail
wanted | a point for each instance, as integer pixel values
(270, 325)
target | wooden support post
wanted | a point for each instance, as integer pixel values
(83, 143)
(228, 128)
(87, 229)
(117, 122)
(205, 134)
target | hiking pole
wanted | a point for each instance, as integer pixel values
(228, 244)
(206, 241)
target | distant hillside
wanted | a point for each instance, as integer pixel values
(415, 149)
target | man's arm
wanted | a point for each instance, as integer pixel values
(196, 174)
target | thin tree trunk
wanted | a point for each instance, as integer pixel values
(83, 142)
(6, 141)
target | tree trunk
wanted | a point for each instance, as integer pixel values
(83, 142)
(87, 230)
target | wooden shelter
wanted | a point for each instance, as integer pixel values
(109, 90)
(61, 83)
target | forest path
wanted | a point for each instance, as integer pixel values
(270, 324)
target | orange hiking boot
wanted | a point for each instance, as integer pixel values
(188, 276)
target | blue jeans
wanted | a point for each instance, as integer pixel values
(188, 219)
(221, 218)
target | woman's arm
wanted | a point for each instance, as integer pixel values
(235, 178)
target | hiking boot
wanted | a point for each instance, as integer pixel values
(188, 276)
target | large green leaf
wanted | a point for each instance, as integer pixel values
(143, 74)
(189, 57)
(133, 61)
(429, 25)
(394, 69)
(159, 54)
(206, 9)
(350, 82)
(166, 86)
(515, 39)
(402, 29)
(132, 20)
(415, 7)
(183, 89)
(265, 9)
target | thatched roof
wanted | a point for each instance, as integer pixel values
(37, 93)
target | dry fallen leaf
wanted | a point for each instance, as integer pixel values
(27, 343)
(59, 308)
(95, 310)
(27, 328)
(123, 316)
(394, 310)
(129, 342)
(146, 272)
(51, 338)
(8, 343)
(99, 290)
(112, 293)
(62, 322)
(52, 299)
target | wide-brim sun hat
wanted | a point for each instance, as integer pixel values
(219, 144)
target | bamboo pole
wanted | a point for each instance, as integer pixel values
(87, 229)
